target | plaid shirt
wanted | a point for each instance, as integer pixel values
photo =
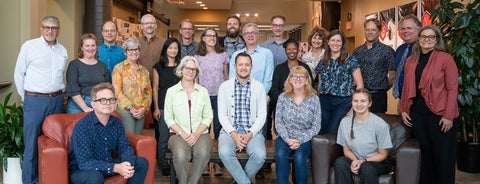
(242, 106)
(231, 47)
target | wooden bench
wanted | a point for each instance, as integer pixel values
(242, 157)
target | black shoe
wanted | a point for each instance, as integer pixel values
(166, 171)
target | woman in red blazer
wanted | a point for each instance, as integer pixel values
(429, 105)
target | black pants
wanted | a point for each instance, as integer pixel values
(368, 172)
(379, 101)
(438, 149)
(267, 128)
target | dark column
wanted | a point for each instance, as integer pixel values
(96, 13)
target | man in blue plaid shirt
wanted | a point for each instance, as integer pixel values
(242, 112)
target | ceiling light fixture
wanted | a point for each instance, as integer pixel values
(238, 14)
(205, 8)
(199, 2)
(202, 5)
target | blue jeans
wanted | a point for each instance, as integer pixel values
(73, 108)
(300, 157)
(96, 177)
(334, 108)
(35, 109)
(255, 150)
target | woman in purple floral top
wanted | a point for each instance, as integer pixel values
(297, 120)
(213, 61)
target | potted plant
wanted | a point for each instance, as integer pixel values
(460, 26)
(11, 140)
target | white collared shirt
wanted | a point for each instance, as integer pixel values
(40, 67)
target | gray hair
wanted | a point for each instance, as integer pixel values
(130, 44)
(51, 19)
(251, 24)
(183, 62)
(142, 20)
(415, 20)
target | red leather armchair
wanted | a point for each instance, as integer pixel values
(53, 149)
(404, 156)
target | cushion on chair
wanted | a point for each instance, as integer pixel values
(59, 127)
(398, 132)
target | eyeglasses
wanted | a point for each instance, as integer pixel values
(187, 29)
(278, 25)
(250, 33)
(427, 37)
(298, 77)
(51, 28)
(210, 36)
(109, 31)
(104, 101)
(190, 69)
(149, 23)
(133, 50)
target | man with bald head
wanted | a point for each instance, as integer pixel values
(109, 52)
(150, 43)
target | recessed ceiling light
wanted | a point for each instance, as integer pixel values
(199, 2)
(205, 8)
(256, 15)
(202, 5)
(247, 14)
(238, 14)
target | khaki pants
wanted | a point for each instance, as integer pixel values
(199, 153)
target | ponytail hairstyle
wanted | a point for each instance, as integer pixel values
(369, 96)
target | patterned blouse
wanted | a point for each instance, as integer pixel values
(337, 79)
(300, 122)
(308, 59)
(132, 87)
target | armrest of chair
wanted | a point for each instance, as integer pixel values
(408, 162)
(145, 146)
(324, 153)
(52, 161)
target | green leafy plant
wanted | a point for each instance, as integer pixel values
(11, 130)
(460, 26)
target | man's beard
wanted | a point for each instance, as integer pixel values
(234, 34)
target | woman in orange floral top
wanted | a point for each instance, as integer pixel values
(132, 88)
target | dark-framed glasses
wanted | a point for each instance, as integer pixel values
(104, 101)
(190, 69)
(210, 36)
(51, 28)
(133, 50)
(298, 77)
(428, 37)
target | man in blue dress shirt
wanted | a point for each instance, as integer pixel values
(109, 52)
(94, 140)
(39, 80)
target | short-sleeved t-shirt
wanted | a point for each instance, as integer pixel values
(369, 136)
